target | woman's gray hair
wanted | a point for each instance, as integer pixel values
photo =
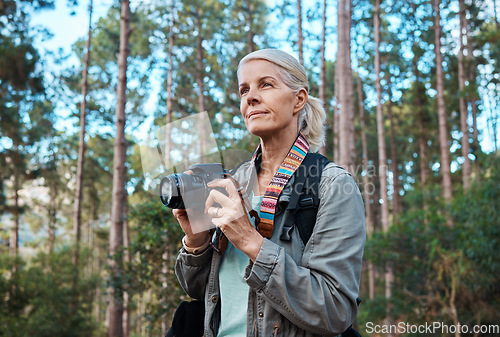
(312, 117)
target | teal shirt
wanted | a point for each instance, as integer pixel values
(233, 289)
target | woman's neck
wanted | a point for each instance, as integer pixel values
(274, 151)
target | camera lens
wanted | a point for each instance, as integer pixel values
(170, 192)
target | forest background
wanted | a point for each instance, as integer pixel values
(412, 92)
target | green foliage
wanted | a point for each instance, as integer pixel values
(156, 239)
(438, 266)
(37, 299)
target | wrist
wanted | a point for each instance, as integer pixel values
(195, 240)
(195, 247)
(254, 247)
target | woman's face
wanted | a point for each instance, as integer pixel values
(268, 105)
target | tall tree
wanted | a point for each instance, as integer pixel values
(249, 9)
(382, 155)
(81, 162)
(171, 41)
(300, 33)
(464, 127)
(115, 305)
(366, 182)
(396, 199)
(441, 107)
(345, 88)
(322, 74)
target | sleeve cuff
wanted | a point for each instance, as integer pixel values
(257, 274)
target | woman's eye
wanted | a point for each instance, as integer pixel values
(267, 84)
(243, 91)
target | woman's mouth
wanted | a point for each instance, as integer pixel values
(256, 113)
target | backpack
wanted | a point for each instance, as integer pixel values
(304, 206)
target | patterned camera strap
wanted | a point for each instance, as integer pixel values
(270, 200)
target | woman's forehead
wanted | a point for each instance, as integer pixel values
(256, 69)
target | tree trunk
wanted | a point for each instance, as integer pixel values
(250, 34)
(126, 296)
(52, 218)
(419, 114)
(497, 22)
(471, 77)
(14, 237)
(366, 184)
(301, 37)
(77, 218)
(115, 304)
(350, 89)
(171, 41)
(336, 118)
(201, 88)
(443, 129)
(396, 198)
(322, 75)
(382, 156)
(422, 142)
(380, 124)
(466, 166)
(345, 88)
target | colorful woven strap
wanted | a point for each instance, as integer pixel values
(292, 161)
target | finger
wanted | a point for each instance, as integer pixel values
(178, 212)
(227, 185)
(216, 197)
(215, 212)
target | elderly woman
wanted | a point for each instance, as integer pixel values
(262, 285)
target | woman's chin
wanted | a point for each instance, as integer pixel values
(260, 129)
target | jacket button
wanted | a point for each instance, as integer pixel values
(261, 314)
(214, 299)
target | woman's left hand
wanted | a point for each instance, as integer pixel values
(232, 218)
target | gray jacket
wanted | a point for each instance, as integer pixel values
(295, 290)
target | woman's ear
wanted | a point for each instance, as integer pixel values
(300, 100)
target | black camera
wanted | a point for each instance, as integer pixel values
(179, 190)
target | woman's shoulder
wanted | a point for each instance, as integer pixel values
(333, 170)
(334, 175)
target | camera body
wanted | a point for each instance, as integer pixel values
(181, 190)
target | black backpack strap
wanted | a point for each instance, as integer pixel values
(304, 200)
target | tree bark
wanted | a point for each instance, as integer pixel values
(14, 237)
(495, 13)
(201, 88)
(52, 218)
(322, 75)
(350, 89)
(345, 88)
(171, 41)
(336, 118)
(250, 34)
(77, 218)
(366, 184)
(382, 157)
(443, 129)
(472, 79)
(126, 296)
(464, 127)
(301, 37)
(115, 304)
(396, 198)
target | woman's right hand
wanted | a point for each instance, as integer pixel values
(190, 221)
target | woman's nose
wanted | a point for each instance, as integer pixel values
(252, 97)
